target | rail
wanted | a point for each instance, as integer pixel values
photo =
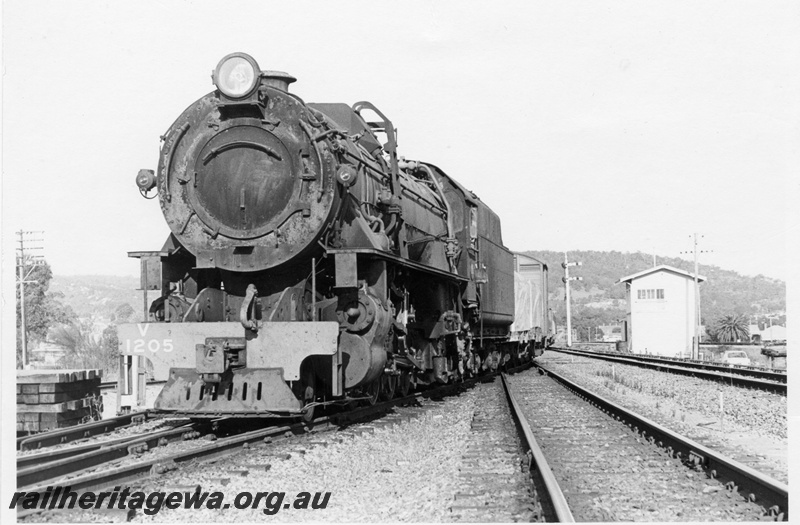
(38, 478)
(757, 486)
(772, 374)
(745, 377)
(85, 430)
(53, 465)
(555, 497)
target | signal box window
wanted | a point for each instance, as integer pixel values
(652, 293)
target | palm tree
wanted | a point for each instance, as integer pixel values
(732, 328)
(83, 350)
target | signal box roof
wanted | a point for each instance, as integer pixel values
(661, 268)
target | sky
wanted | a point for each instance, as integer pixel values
(614, 125)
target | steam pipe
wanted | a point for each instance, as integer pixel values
(450, 256)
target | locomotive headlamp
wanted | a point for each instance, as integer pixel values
(236, 75)
(146, 181)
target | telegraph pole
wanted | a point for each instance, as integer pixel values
(26, 263)
(566, 279)
(696, 345)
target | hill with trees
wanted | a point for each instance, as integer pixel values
(599, 300)
(98, 296)
(78, 314)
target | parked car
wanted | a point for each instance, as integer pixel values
(735, 357)
(774, 349)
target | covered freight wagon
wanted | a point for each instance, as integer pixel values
(533, 320)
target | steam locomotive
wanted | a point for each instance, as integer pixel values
(308, 263)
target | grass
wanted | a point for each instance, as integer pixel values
(613, 380)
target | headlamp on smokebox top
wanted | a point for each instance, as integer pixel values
(236, 75)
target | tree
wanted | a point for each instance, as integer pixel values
(42, 309)
(732, 328)
(123, 313)
(109, 346)
(83, 350)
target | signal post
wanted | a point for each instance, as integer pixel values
(566, 279)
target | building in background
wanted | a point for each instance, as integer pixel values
(47, 355)
(612, 333)
(661, 311)
(771, 332)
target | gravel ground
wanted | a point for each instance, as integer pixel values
(388, 474)
(406, 467)
(751, 427)
(409, 471)
(608, 473)
(495, 483)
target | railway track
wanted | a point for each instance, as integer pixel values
(759, 378)
(594, 460)
(73, 461)
(40, 440)
(97, 467)
(493, 481)
(606, 464)
(80, 432)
